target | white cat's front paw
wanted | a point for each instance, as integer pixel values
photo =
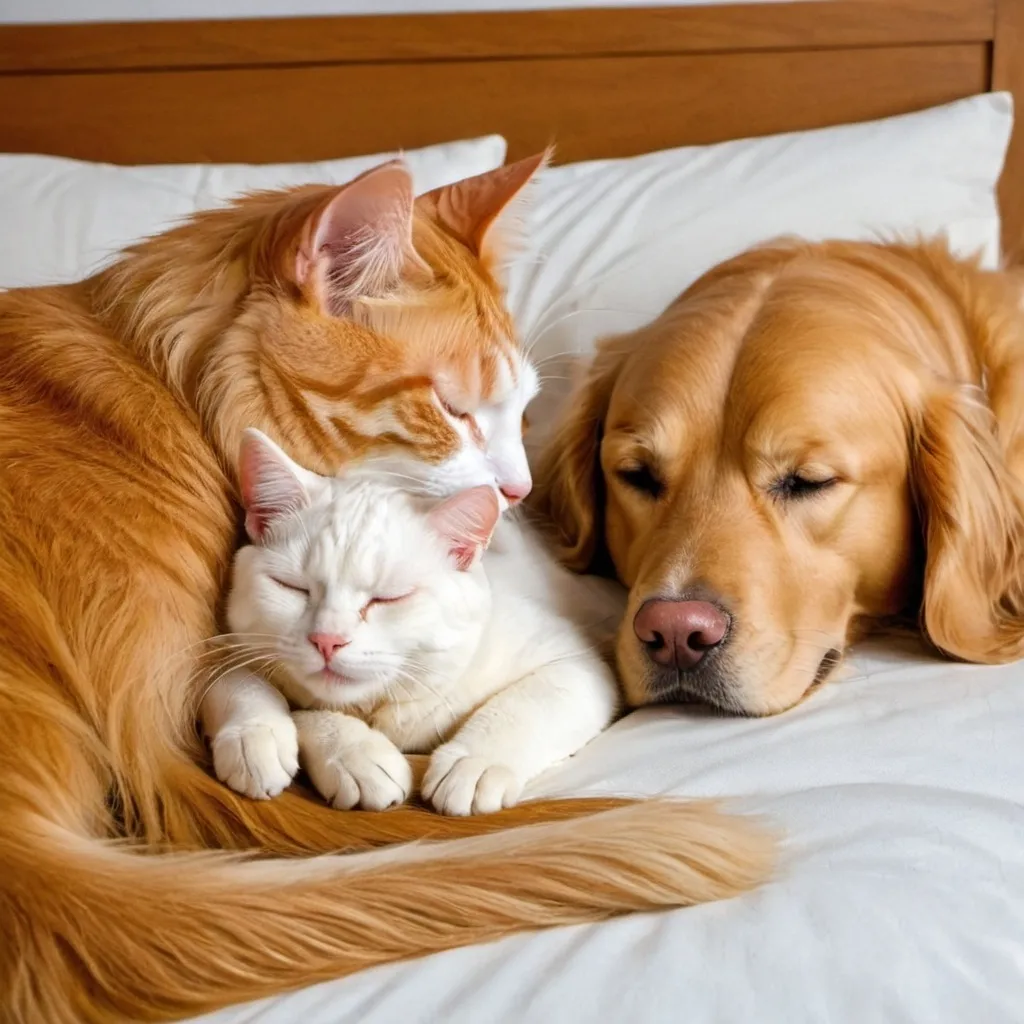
(351, 764)
(459, 783)
(257, 758)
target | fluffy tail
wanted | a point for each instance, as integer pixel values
(203, 814)
(97, 933)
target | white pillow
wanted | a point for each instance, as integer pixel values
(612, 242)
(62, 219)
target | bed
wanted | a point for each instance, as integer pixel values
(900, 787)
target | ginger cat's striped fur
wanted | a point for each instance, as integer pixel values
(344, 323)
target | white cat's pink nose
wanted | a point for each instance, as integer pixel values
(516, 490)
(328, 644)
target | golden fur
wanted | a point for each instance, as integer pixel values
(815, 437)
(121, 404)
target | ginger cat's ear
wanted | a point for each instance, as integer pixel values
(480, 211)
(466, 522)
(272, 484)
(360, 244)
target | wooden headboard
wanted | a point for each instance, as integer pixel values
(597, 82)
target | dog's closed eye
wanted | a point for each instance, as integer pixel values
(642, 478)
(794, 487)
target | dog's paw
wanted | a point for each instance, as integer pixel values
(459, 783)
(258, 759)
(350, 764)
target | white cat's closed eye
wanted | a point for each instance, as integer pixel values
(374, 601)
(296, 587)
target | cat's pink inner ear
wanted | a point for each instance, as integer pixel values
(360, 243)
(466, 522)
(472, 208)
(270, 484)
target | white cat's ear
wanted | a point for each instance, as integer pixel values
(272, 484)
(466, 521)
(359, 246)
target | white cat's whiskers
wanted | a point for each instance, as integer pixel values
(224, 654)
(422, 680)
(231, 657)
(243, 651)
(400, 694)
(243, 644)
(418, 681)
(217, 643)
(236, 633)
(260, 661)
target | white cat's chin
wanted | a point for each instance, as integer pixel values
(340, 690)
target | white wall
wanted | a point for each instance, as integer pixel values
(12, 11)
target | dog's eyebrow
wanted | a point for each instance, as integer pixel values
(640, 450)
(644, 438)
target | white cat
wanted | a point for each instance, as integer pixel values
(374, 612)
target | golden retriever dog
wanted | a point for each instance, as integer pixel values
(812, 438)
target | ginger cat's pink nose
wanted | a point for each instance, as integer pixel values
(517, 490)
(327, 644)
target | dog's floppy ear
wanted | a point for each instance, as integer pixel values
(972, 508)
(570, 489)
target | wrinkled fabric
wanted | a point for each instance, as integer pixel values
(900, 895)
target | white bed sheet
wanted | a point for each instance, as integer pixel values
(900, 896)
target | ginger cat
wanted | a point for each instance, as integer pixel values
(348, 322)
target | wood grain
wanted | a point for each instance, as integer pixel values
(557, 33)
(591, 107)
(1008, 73)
